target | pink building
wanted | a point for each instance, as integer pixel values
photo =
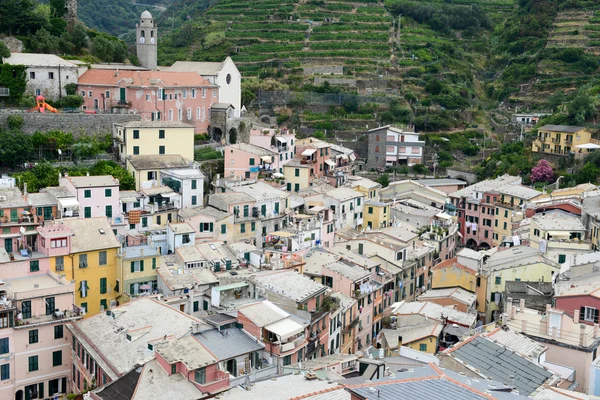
(282, 142)
(155, 95)
(14, 215)
(35, 304)
(98, 196)
(315, 153)
(247, 161)
(210, 224)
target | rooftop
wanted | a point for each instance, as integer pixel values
(156, 124)
(144, 320)
(187, 350)
(91, 234)
(517, 256)
(136, 79)
(412, 333)
(456, 293)
(260, 191)
(41, 199)
(290, 284)
(561, 128)
(434, 311)
(344, 194)
(207, 211)
(35, 283)
(350, 271)
(441, 182)
(93, 181)
(355, 181)
(182, 227)
(202, 68)
(325, 361)
(263, 313)
(184, 173)
(488, 185)
(499, 363)
(158, 161)
(252, 149)
(58, 192)
(222, 200)
(558, 220)
(14, 198)
(228, 343)
(38, 60)
(517, 342)
(155, 383)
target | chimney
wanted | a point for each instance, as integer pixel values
(25, 189)
(583, 339)
(509, 307)
(576, 316)
(514, 312)
(522, 304)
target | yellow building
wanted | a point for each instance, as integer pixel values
(452, 273)
(509, 209)
(376, 215)
(92, 263)
(154, 137)
(560, 139)
(370, 189)
(422, 337)
(136, 271)
(518, 263)
(297, 175)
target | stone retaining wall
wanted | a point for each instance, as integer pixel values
(77, 123)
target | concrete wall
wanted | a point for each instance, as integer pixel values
(469, 177)
(76, 123)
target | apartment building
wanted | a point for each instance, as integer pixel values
(247, 161)
(560, 139)
(389, 146)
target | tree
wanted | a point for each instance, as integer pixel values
(580, 109)
(72, 101)
(79, 38)
(71, 88)
(43, 42)
(15, 148)
(126, 180)
(542, 172)
(588, 174)
(384, 180)
(419, 169)
(4, 51)
(103, 48)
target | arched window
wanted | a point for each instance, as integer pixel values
(143, 33)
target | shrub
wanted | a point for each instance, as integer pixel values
(15, 122)
(72, 101)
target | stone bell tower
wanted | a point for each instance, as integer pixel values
(146, 40)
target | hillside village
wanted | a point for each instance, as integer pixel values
(281, 265)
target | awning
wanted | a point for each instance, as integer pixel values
(316, 208)
(283, 234)
(330, 163)
(588, 146)
(266, 158)
(128, 200)
(68, 202)
(303, 216)
(443, 215)
(278, 175)
(308, 152)
(281, 140)
(169, 195)
(285, 328)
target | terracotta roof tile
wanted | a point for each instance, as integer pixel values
(453, 263)
(142, 78)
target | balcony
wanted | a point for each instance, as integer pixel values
(157, 207)
(21, 220)
(351, 325)
(57, 317)
(121, 104)
(220, 382)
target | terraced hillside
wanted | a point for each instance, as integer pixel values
(304, 32)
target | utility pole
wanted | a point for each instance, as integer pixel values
(399, 26)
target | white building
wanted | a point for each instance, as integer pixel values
(188, 182)
(47, 74)
(224, 74)
(393, 146)
(347, 206)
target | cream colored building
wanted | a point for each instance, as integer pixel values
(297, 175)
(154, 137)
(146, 168)
(560, 139)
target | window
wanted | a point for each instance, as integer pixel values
(287, 360)
(107, 192)
(498, 280)
(206, 227)
(144, 222)
(193, 93)
(173, 368)
(136, 150)
(562, 258)
(203, 93)
(297, 172)
(590, 314)
(242, 228)
(87, 194)
(223, 229)
(194, 184)
(194, 200)
(370, 210)
(4, 347)
(26, 309)
(196, 306)
(102, 285)
(33, 363)
(189, 113)
(136, 134)
(32, 75)
(253, 226)
(50, 305)
(58, 332)
(4, 372)
(200, 376)
(34, 266)
(50, 75)
(33, 336)
(161, 133)
(251, 161)
(161, 149)
(57, 358)
(296, 187)
(108, 211)
(82, 260)
(422, 347)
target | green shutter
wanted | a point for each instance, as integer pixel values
(201, 226)
(154, 263)
(223, 229)
(210, 229)
(142, 265)
(133, 266)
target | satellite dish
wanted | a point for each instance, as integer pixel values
(59, 151)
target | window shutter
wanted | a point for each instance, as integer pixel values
(132, 266)
(142, 265)
(210, 228)
(201, 227)
(582, 313)
(154, 263)
(596, 311)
